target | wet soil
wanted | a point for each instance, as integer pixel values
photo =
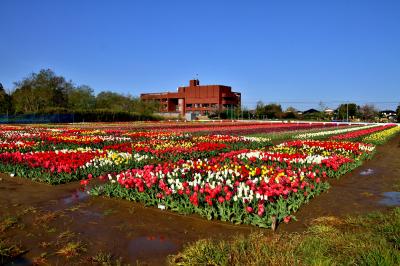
(52, 218)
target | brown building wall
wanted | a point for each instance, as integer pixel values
(195, 97)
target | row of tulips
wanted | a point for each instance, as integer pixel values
(49, 163)
(62, 166)
(382, 136)
(361, 133)
(155, 142)
(33, 151)
(252, 187)
(16, 145)
(325, 133)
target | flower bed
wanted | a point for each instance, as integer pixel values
(64, 155)
(361, 133)
(225, 177)
(382, 136)
(251, 187)
(323, 134)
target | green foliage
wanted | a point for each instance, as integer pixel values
(106, 259)
(8, 252)
(113, 101)
(47, 93)
(5, 101)
(343, 108)
(313, 116)
(81, 98)
(39, 91)
(7, 222)
(103, 115)
(270, 111)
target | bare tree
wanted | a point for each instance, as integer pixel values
(368, 112)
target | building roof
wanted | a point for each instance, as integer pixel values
(311, 111)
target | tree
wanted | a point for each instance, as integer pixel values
(113, 101)
(273, 110)
(45, 92)
(81, 98)
(290, 113)
(398, 113)
(40, 91)
(246, 114)
(343, 108)
(260, 110)
(144, 107)
(5, 101)
(368, 112)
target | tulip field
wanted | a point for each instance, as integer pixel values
(215, 170)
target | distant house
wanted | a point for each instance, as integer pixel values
(329, 111)
(387, 115)
(310, 111)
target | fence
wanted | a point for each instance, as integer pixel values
(37, 119)
(76, 117)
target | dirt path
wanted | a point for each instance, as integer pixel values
(62, 225)
(49, 218)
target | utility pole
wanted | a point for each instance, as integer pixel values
(347, 111)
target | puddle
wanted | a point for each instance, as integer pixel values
(151, 246)
(76, 196)
(92, 214)
(20, 261)
(368, 171)
(391, 198)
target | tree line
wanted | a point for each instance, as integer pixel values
(367, 112)
(48, 93)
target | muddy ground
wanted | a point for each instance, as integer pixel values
(61, 225)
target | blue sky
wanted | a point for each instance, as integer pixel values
(295, 52)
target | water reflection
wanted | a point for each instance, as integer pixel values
(75, 197)
(20, 261)
(151, 246)
(368, 171)
(391, 198)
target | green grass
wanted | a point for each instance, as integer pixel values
(72, 249)
(8, 251)
(106, 259)
(7, 223)
(372, 239)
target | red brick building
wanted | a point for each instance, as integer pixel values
(202, 99)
